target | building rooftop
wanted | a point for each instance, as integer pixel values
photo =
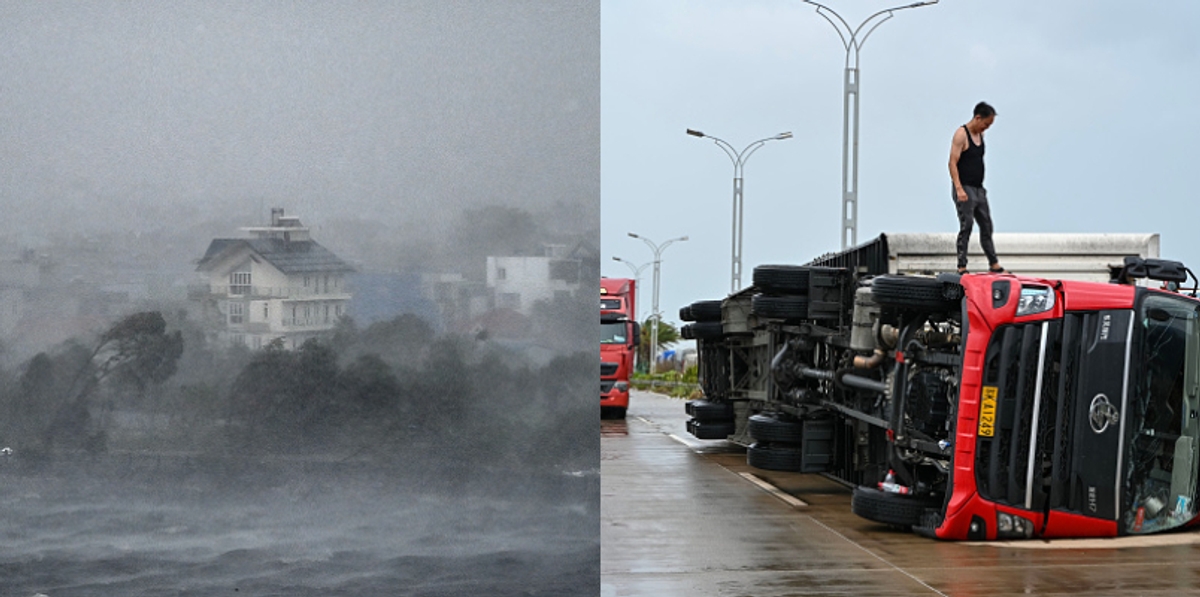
(288, 256)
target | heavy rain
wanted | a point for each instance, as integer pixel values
(297, 299)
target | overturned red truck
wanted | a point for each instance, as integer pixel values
(973, 407)
(618, 343)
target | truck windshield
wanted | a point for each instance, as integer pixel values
(1162, 427)
(614, 333)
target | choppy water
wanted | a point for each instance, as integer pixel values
(122, 527)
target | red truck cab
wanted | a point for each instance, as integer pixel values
(1079, 409)
(618, 343)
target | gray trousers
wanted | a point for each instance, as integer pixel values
(975, 208)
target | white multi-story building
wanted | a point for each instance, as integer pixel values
(519, 282)
(278, 284)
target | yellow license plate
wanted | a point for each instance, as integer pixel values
(987, 412)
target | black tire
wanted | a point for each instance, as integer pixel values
(779, 307)
(706, 310)
(710, 429)
(685, 332)
(769, 428)
(707, 330)
(775, 457)
(912, 292)
(707, 410)
(782, 279)
(685, 314)
(889, 508)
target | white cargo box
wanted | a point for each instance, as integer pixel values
(1068, 256)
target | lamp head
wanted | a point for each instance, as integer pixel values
(695, 133)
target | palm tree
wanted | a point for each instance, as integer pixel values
(668, 335)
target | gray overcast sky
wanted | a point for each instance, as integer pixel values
(1094, 99)
(124, 114)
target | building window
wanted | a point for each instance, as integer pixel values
(239, 283)
(326, 313)
(565, 270)
(338, 310)
(501, 274)
(237, 313)
(257, 342)
(266, 311)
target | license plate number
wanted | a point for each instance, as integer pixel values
(987, 412)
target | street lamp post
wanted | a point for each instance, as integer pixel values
(637, 277)
(853, 44)
(658, 250)
(739, 161)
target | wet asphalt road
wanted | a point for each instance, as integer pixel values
(681, 516)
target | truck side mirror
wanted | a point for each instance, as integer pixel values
(637, 335)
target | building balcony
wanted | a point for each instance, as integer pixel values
(199, 291)
(249, 327)
(309, 323)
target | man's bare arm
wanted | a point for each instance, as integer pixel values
(956, 148)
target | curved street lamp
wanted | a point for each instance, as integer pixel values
(739, 161)
(637, 277)
(658, 250)
(853, 44)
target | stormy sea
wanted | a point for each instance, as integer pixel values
(146, 525)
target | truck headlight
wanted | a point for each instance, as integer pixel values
(1011, 526)
(621, 386)
(1035, 299)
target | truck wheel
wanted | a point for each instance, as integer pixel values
(769, 428)
(782, 279)
(710, 429)
(775, 457)
(707, 410)
(888, 508)
(707, 330)
(706, 310)
(779, 307)
(911, 292)
(685, 332)
(685, 313)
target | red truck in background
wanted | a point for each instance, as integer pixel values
(618, 343)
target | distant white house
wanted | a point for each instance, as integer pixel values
(517, 283)
(276, 284)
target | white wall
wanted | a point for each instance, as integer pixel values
(528, 277)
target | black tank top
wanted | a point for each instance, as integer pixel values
(970, 162)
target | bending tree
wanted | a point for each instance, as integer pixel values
(137, 350)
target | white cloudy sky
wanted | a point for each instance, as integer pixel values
(117, 114)
(1094, 98)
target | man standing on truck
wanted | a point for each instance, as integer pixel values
(970, 198)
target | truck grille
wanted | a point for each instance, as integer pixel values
(1032, 416)
(607, 369)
